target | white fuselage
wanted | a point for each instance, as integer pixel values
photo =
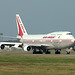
(55, 40)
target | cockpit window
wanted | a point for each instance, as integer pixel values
(69, 33)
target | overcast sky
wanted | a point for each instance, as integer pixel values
(38, 16)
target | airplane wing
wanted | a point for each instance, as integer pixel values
(10, 44)
(27, 47)
(10, 37)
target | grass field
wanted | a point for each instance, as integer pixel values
(20, 64)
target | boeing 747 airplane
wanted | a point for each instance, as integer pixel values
(44, 42)
(40, 43)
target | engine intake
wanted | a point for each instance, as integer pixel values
(2, 46)
(26, 48)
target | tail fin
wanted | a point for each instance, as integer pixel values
(20, 26)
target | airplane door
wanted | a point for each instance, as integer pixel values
(57, 43)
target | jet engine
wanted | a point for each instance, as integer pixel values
(2, 46)
(26, 48)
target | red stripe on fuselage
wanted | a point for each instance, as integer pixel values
(45, 41)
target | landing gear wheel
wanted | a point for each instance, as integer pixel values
(47, 52)
(37, 52)
(34, 52)
(40, 52)
(57, 52)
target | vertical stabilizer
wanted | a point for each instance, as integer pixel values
(20, 26)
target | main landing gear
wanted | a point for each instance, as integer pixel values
(47, 52)
(57, 51)
(37, 52)
(41, 51)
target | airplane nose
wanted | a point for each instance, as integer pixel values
(74, 41)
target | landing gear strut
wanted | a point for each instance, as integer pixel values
(47, 52)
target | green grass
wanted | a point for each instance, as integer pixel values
(20, 64)
(16, 64)
(37, 58)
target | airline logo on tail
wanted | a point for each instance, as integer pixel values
(20, 26)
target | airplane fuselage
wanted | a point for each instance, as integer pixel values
(55, 40)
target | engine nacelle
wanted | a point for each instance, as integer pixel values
(73, 48)
(26, 48)
(2, 46)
